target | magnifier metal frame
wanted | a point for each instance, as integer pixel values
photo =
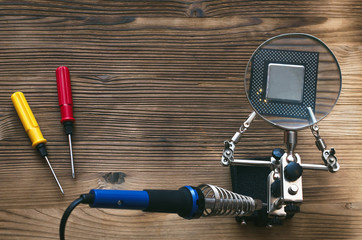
(286, 35)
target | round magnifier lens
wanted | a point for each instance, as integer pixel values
(293, 81)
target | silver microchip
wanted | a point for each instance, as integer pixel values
(285, 82)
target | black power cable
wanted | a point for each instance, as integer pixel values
(84, 198)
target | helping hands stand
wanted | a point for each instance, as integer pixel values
(284, 183)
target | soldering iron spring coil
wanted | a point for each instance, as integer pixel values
(219, 201)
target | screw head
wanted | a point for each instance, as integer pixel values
(277, 153)
(275, 188)
(293, 171)
(293, 189)
(331, 159)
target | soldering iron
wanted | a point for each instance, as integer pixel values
(188, 202)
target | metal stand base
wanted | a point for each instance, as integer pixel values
(252, 181)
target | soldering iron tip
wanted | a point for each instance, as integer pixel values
(71, 155)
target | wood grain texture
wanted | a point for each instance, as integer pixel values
(157, 88)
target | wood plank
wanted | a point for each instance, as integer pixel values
(94, 11)
(157, 88)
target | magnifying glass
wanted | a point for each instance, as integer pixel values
(293, 81)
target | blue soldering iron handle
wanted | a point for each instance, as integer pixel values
(122, 199)
(188, 202)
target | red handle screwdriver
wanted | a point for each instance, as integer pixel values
(66, 106)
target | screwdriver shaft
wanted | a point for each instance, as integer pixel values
(55, 176)
(71, 154)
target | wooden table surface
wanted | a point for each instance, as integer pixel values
(157, 88)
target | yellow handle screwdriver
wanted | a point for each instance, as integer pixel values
(32, 128)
